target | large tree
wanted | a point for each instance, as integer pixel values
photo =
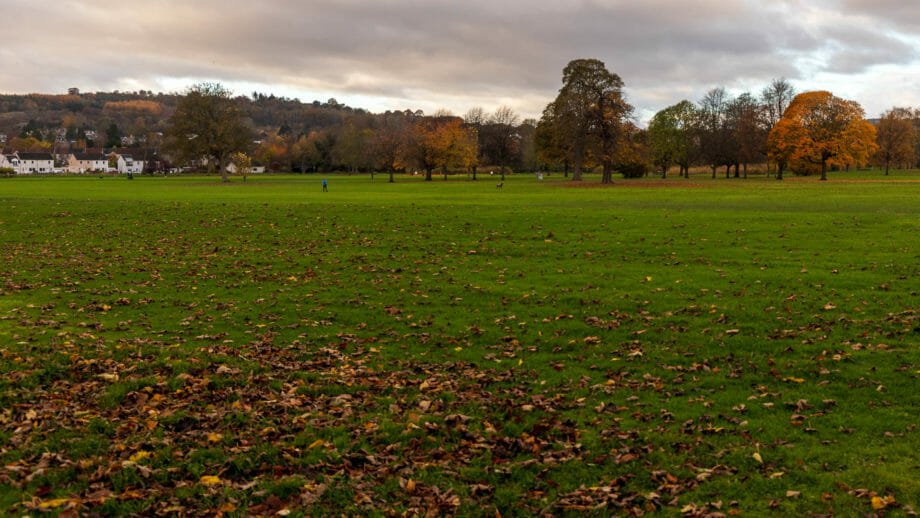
(669, 137)
(590, 109)
(207, 124)
(895, 138)
(821, 129)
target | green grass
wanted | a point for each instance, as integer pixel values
(409, 347)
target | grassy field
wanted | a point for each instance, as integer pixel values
(681, 347)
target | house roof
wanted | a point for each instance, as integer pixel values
(35, 156)
(135, 153)
(88, 156)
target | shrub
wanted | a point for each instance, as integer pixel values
(634, 169)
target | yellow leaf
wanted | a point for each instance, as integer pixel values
(878, 503)
(139, 456)
(410, 486)
(57, 502)
(757, 457)
(210, 480)
(214, 437)
(520, 361)
(648, 278)
(458, 349)
(778, 474)
(317, 443)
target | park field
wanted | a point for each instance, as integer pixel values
(178, 346)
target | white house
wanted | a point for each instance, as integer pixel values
(31, 163)
(87, 162)
(256, 169)
(5, 162)
(131, 162)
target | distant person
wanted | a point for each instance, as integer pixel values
(325, 188)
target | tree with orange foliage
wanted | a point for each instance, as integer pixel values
(820, 129)
(274, 152)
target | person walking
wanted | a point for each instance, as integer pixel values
(325, 189)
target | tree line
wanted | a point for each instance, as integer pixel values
(209, 123)
(590, 125)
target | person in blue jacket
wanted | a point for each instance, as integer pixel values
(325, 189)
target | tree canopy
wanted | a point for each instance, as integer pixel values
(823, 130)
(207, 124)
(589, 114)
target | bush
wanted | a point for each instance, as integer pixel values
(7, 171)
(634, 170)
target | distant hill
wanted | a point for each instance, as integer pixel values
(78, 116)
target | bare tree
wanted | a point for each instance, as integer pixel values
(500, 138)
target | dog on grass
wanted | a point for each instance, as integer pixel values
(499, 185)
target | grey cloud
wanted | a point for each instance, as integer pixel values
(428, 52)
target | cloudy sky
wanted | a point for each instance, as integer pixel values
(433, 54)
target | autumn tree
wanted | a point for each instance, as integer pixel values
(475, 119)
(207, 124)
(424, 147)
(823, 130)
(242, 163)
(590, 106)
(301, 152)
(390, 143)
(670, 139)
(527, 152)
(273, 151)
(354, 146)
(895, 138)
(551, 142)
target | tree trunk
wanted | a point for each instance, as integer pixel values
(579, 157)
(445, 173)
(565, 169)
(824, 170)
(223, 171)
(502, 167)
(886, 168)
(779, 170)
(728, 171)
(474, 173)
(745, 170)
(713, 171)
(391, 176)
(428, 175)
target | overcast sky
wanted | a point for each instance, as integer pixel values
(432, 54)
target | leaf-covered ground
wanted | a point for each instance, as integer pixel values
(183, 347)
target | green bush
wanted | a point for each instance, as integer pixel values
(634, 169)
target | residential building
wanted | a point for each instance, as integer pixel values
(85, 162)
(33, 163)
